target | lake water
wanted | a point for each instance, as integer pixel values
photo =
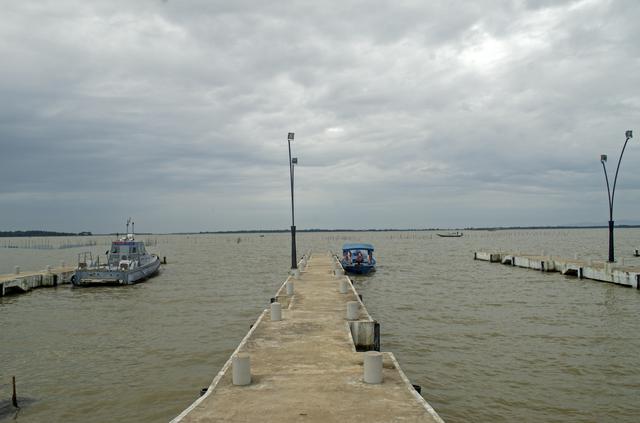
(487, 342)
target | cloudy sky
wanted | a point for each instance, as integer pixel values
(406, 113)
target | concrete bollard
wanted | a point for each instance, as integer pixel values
(17, 270)
(241, 369)
(344, 286)
(372, 367)
(289, 286)
(276, 312)
(353, 310)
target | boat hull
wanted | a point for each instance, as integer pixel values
(358, 269)
(102, 277)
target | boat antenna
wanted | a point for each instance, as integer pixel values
(133, 232)
(128, 223)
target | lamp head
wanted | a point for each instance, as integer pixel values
(603, 157)
(290, 136)
(629, 134)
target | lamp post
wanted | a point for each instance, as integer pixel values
(292, 162)
(612, 192)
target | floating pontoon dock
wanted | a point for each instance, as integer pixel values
(617, 273)
(18, 283)
(305, 360)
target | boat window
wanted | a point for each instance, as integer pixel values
(134, 250)
(114, 249)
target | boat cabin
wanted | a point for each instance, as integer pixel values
(357, 253)
(125, 250)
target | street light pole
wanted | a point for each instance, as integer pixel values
(294, 261)
(612, 192)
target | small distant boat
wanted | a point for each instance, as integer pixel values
(358, 259)
(451, 235)
(128, 262)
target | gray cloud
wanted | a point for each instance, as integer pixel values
(418, 115)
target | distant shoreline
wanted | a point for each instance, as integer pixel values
(504, 228)
(34, 233)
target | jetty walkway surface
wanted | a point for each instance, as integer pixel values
(19, 282)
(618, 273)
(305, 367)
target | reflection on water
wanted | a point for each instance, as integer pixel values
(486, 342)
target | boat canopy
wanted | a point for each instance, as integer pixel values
(348, 247)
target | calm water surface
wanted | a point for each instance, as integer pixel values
(486, 342)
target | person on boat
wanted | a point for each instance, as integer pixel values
(359, 258)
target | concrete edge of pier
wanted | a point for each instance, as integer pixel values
(222, 371)
(617, 273)
(280, 342)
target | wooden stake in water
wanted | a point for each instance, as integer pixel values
(14, 397)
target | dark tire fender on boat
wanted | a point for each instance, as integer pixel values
(73, 279)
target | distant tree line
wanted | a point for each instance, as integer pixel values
(17, 234)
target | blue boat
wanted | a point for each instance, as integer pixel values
(358, 259)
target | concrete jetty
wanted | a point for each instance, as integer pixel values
(618, 273)
(311, 357)
(18, 282)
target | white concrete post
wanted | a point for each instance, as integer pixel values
(373, 367)
(241, 369)
(289, 286)
(344, 286)
(17, 269)
(276, 312)
(353, 310)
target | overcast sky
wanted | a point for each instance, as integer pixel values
(406, 113)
